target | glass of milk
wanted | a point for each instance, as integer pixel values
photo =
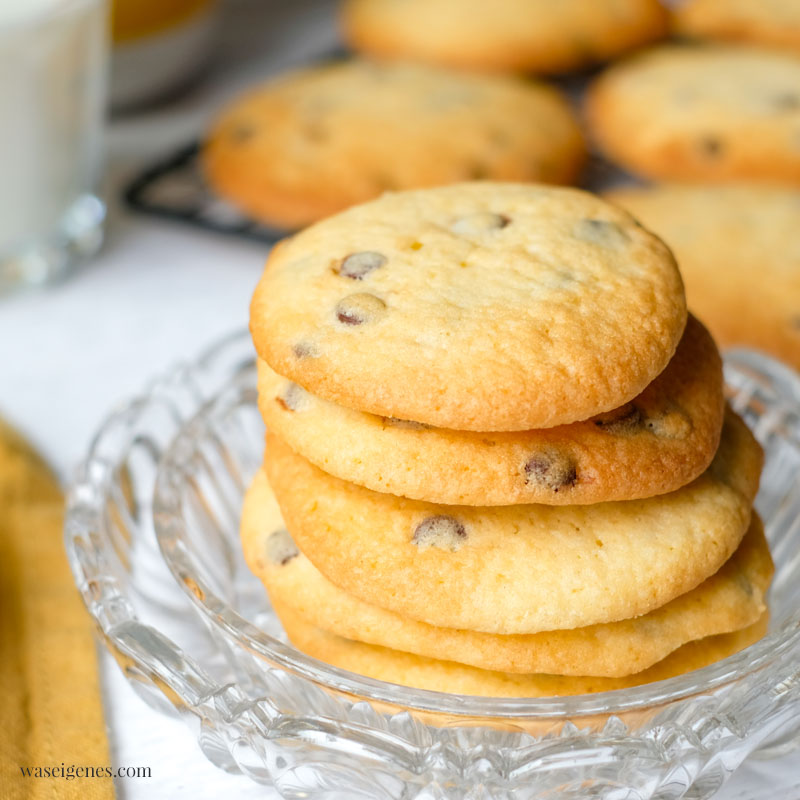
(53, 76)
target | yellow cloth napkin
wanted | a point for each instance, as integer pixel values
(51, 716)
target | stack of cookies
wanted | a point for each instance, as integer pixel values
(499, 460)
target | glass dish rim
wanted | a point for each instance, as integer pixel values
(221, 615)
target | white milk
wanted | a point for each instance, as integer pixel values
(15, 11)
(53, 64)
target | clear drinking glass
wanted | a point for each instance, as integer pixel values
(53, 76)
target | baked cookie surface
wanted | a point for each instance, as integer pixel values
(702, 113)
(525, 568)
(476, 306)
(729, 600)
(436, 675)
(739, 251)
(509, 35)
(659, 442)
(319, 140)
(768, 22)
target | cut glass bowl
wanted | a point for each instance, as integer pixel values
(152, 538)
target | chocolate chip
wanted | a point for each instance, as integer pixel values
(315, 131)
(396, 422)
(292, 398)
(348, 318)
(356, 309)
(625, 419)
(384, 182)
(281, 548)
(600, 231)
(711, 146)
(560, 278)
(786, 101)
(305, 350)
(243, 132)
(544, 171)
(671, 423)
(440, 531)
(476, 224)
(357, 266)
(478, 171)
(551, 469)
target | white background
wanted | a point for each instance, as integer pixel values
(158, 294)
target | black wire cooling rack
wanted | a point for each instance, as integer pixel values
(174, 188)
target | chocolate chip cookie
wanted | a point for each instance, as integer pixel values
(505, 35)
(701, 113)
(482, 306)
(739, 251)
(769, 22)
(319, 140)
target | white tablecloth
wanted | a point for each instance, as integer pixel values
(158, 294)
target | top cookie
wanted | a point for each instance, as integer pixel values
(705, 113)
(322, 139)
(510, 35)
(478, 306)
(770, 22)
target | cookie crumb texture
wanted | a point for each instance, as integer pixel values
(702, 113)
(480, 306)
(319, 140)
(540, 36)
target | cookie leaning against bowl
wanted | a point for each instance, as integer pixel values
(704, 113)
(519, 569)
(479, 306)
(731, 599)
(768, 22)
(659, 442)
(510, 35)
(407, 669)
(739, 251)
(319, 140)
